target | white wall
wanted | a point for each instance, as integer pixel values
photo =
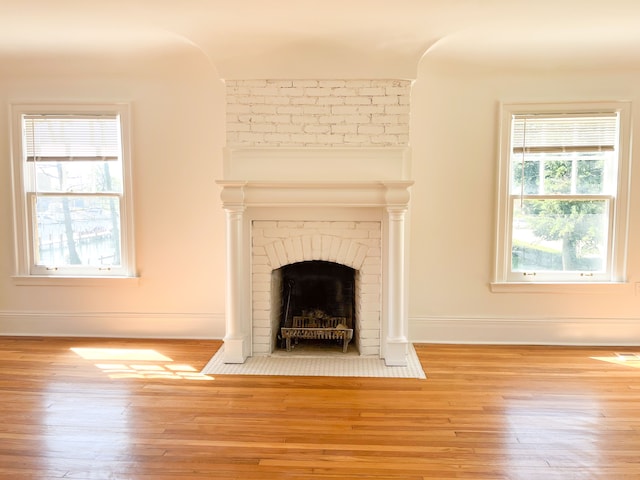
(178, 135)
(178, 131)
(454, 135)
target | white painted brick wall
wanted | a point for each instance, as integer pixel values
(352, 243)
(314, 113)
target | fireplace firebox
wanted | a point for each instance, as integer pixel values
(316, 305)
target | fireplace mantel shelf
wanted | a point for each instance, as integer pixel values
(347, 193)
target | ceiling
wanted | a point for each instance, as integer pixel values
(352, 38)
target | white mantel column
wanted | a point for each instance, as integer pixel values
(396, 341)
(237, 340)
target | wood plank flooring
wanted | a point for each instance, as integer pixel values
(139, 409)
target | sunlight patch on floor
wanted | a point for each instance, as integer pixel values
(627, 359)
(138, 363)
(120, 354)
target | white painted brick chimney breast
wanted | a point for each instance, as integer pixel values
(317, 113)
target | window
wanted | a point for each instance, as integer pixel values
(72, 191)
(563, 193)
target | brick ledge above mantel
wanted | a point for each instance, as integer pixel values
(317, 163)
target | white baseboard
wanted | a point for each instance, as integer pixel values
(120, 325)
(526, 331)
(422, 329)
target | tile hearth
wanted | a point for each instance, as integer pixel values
(308, 363)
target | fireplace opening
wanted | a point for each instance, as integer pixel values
(314, 307)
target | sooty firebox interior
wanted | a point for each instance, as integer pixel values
(317, 305)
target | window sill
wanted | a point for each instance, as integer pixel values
(35, 280)
(563, 288)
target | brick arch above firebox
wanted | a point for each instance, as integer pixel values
(329, 248)
(351, 243)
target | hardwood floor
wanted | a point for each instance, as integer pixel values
(139, 409)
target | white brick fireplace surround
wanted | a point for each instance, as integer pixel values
(348, 242)
(308, 192)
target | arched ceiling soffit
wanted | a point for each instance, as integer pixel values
(331, 39)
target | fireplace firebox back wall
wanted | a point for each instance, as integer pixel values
(314, 294)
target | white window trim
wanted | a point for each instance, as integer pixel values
(22, 248)
(617, 280)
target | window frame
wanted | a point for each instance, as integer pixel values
(619, 200)
(24, 241)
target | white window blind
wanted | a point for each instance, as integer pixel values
(60, 138)
(567, 133)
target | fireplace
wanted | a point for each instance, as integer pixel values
(308, 216)
(317, 171)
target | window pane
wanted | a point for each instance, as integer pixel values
(78, 231)
(557, 176)
(78, 176)
(530, 175)
(590, 176)
(559, 235)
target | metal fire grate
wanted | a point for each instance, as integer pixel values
(313, 328)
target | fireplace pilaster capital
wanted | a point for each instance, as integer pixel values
(233, 195)
(397, 195)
